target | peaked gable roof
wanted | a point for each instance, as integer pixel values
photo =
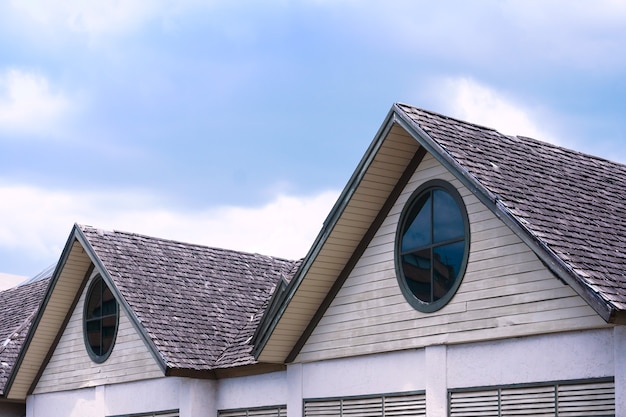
(567, 206)
(192, 305)
(195, 303)
(18, 307)
(571, 205)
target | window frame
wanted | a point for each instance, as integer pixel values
(416, 196)
(88, 295)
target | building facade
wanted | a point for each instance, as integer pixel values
(462, 272)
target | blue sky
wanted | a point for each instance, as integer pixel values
(237, 123)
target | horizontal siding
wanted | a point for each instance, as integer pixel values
(384, 171)
(51, 320)
(130, 359)
(506, 292)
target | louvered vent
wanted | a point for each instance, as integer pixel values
(169, 413)
(484, 403)
(275, 411)
(391, 405)
(405, 405)
(530, 401)
(587, 399)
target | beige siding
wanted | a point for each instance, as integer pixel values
(57, 308)
(363, 206)
(70, 366)
(506, 292)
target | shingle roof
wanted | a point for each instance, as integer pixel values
(18, 307)
(195, 303)
(572, 202)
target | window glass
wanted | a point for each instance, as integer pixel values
(447, 218)
(433, 245)
(418, 232)
(101, 320)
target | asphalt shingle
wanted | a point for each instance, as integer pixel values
(574, 203)
(18, 307)
(196, 303)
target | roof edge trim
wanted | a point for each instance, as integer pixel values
(57, 338)
(269, 322)
(33, 328)
(276, 300)
(545, 254)
(359, 250)
(84, 241)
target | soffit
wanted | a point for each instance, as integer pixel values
(58, 302)
(364, 201)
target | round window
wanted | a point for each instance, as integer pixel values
(432, 245)
(101, 319)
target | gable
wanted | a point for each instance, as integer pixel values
(61, 303)
(388, 162)
(130, 359)
(466, 152)
(55, 307)
(506, 291)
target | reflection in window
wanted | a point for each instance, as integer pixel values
(101, 318)
(433, 244)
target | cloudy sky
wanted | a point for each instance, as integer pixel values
(237, 123)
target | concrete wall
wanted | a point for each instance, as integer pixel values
(433, 369)
(252, 391)
(191, 397)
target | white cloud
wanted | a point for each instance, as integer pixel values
(41, 221)
(96, 17)
(29, 105)
(469, 100)
(10, 281)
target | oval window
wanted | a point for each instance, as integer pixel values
(101, 319)
(432, 245)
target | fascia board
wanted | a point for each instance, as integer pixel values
(269, 322)
(33, 328)
(80, 236)
(492, 201)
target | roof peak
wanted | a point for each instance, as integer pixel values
(407, 108)
(103, 232)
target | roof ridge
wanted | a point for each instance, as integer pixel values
(102, 232)
(443, 116)
(18, 330)
(563, 148)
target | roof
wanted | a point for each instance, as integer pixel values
(18, 307)
(567, 206)
(195, 303)
(202, 309)
(570, 202)
(195, 307)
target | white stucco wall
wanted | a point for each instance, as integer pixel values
(191, 397)
(252, 391)
(619, 349)
(576, 355)
(373, 374)
(434, 369)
